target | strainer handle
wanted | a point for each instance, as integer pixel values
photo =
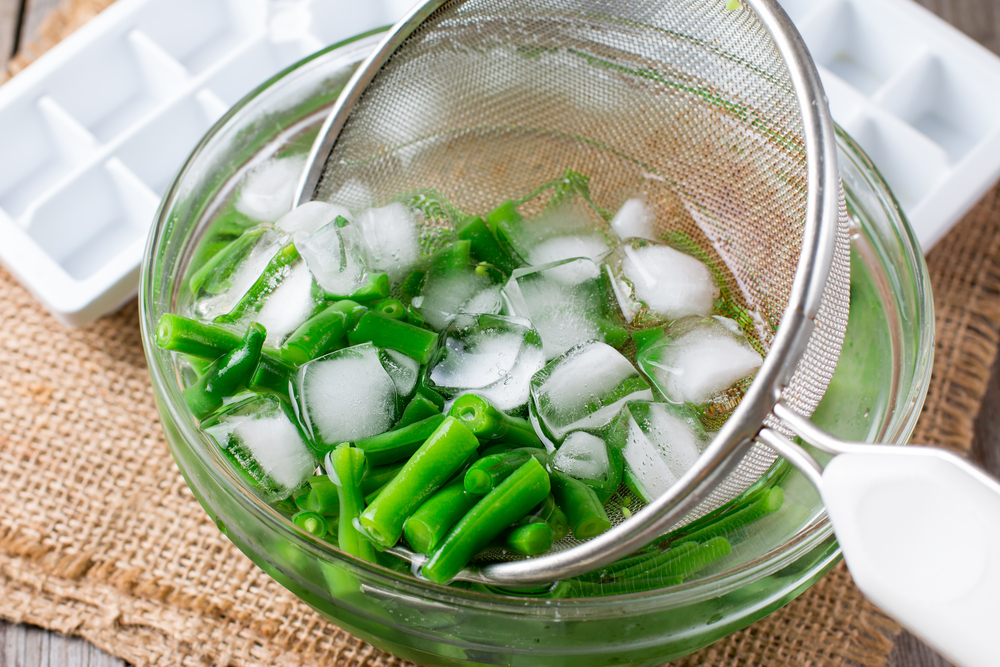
(920, 531)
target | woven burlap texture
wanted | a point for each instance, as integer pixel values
(102, 538)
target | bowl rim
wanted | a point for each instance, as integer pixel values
(811, 536)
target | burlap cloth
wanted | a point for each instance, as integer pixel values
(100, 536)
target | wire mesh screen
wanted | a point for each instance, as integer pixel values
(681, 102)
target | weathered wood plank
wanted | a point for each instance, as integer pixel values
(28, 646)
(10, 11)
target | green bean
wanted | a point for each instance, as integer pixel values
(586, 515)
(485, 246)
(589, 589)
(373, 494)
(414, 317)
(420, 407)
(187, 336)
(411, 286)
(614, 333)
(399, 443)
(643, 564)
(269, 279)
(427, 526)
(433, 464)
(311, 522)
(767, 503)
(323, 498)
(375, 289)
(488, 423)
(693, 560)
(486, 473)
(647, 337)
(391, 308)
(322, 333)
(551, 514)
(301, 498)
(455, 257)
(226, 376)
(272, 374)
(531, 539)
(228, 258)
(393, 334)
(378, 477)
(346, 466)
(500, 508)
(501, 221)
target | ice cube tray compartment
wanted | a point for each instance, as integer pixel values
(917, 95)
(102, 123)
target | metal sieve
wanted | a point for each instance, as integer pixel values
(716, 116)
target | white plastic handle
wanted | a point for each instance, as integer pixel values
(920, 531)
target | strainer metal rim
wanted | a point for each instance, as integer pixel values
(736, 437)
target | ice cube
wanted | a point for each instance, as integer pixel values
(663, 442)
(698, 359)
(489, 355)
(230, 274)
(559, 248)
(260, 437)
(288, 306)
(268, 190)
(335, 257)
(310, 217)
(583, 456)
(459, 291)
(562, 313)
(345, 396)
(667, 282)
(633, 220)
(404, 371)
(585, 388)
(390, 237)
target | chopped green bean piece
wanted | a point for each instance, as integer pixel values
(485, 474)
(377, 477)
(301, 498)
(382, 331)
(488, 423)
(323, 498)
(375, 289)
(225, 261)
(485, 246)
(187, 336)
(346, 465)
(428, 525)
(769, 502)
(399, 443)
(311, 522)
(227, 375)
(551, 514)
(433, 464)
(531, 539)
(268, 281)
(586, 515)
(419, 408)
(272, 374)
(500, 508)
(391, 308)
(322, 333)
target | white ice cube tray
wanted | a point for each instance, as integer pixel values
(92, 133)
(920, 97)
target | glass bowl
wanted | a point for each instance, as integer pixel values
(876, 395)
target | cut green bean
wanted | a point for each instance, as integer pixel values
(488, 423)
(272, 374)
(346, 466)
(614, 334)
(500, 508)
(433, 464)
(391, 308)
(427, 526)
(531, 539)
(225, 261)
(411, 286)
(187, 336)
(377, 477)
(311, 522)
(551, 514)
(372, 495)
(485, 246)
(322, 333)
(767, 503)
(419, 408)
(586, 515)
(694, 559)
(643, 564)
(323, 498)
(486, 474)
(227, 375)
(301, 498)
(269, 280)
(456, 257)
(647, 337)
(393, 334)
(414, 317)
(399, 443)
(590, 589)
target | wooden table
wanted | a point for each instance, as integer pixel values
(26, 646)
